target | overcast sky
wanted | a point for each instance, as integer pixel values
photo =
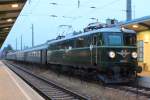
(41, 13)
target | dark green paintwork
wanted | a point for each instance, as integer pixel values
(87, 58)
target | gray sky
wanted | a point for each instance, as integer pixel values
(46, 27)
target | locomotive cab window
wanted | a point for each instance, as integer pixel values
(129, 39)
(113, 39)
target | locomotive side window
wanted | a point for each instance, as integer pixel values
(129, 39)
(79, 42)
(95, 40)
(70, 43)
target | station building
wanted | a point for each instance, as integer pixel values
(142, 27)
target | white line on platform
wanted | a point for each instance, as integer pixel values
(22, 90)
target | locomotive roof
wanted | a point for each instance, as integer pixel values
(112, 29)
(38, 47)
(45, 45)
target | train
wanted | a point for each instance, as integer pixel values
(108, 53)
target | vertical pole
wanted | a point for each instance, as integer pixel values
(16, 44)
(129, 10)
(32, 35)
(21, 42)
(78, 3)
(134, 11)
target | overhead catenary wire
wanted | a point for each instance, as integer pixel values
(34, 4)
(91, 11)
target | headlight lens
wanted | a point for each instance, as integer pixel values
(134, 55)
(112, 54)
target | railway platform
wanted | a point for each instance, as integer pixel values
(13, 87)
(144, 79)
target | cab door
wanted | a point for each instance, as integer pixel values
(94, 50)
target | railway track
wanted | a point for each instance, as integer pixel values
(139, 91)
(135, 89)
(48, 89)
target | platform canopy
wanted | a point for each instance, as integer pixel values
(9, 11)
(140, 24)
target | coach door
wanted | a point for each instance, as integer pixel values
(94, 51)
(44, 56)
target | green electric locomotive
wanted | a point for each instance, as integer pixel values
(109, 53)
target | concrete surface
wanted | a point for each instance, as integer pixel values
(144, 79)
(13, 87)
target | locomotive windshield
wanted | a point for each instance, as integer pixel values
(120, 39)
(113, 39)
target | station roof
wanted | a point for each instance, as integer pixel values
(140, 24)
(9, 11)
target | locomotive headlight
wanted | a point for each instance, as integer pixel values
(112, 54)
(134, 55)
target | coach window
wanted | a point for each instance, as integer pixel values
(32, 53)
(36, 53)
(28, 54)
(39, 53)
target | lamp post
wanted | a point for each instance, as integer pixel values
(129, 10)
(16, 44)
(21, 42)
(32, 35)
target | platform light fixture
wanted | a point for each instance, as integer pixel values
(135, 26)
(92, 7)
(6, 28)
(15, 5)
(53, 15)
(9, 20)
(53, 3)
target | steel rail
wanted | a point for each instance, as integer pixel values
(48, 89)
